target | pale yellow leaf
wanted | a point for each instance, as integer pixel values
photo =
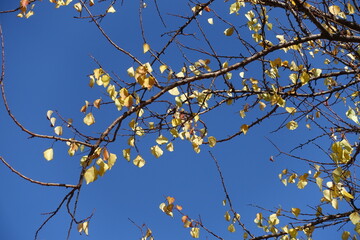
(111, 9)
(112, 160)
(195, 232)
(48, 114)
(78, 7)
(146, 47)
(210, 21)
(90, 175)
(162, 68)
(89, 119)
(354, 217)
(334, 9)
(49, 154)
(174, 91)
(291, 110)
(128, 101)
(58, 130)
(52, 121)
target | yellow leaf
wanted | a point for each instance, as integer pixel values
(227, 216)
(128, 101)
(112, 160)
(48, 114)
(354, 217)
(170, 147)
(335, 10)
(345, 235)
(212, 141)
(149, 82)
(195, 232)
(231, 228)
(295, 211)
(58, 130)
(174, 91)
(146, 47)
(90, 175)
(162, 68)
(49, 154)
(126, 154)
(139, 161)
(131, 72)
(78, 7)
(292, 125)
(91, 3)
(97, 103)
(105, 79)
(156, 151)
(84, 226)
(161, 140)
(244, 128)
(52, 121)
(273, 219)
(229, 31)
(211, 21)
(111, 9)
(350, 8)
(291, 110)
(346, 194)
(89, 119)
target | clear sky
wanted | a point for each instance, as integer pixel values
(47, 66)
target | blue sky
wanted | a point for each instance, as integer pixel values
(47, 63)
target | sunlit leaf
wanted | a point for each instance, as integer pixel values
(111, 9)
(210, 21)
(49, 154)
(231, 228)
(112, 159)
(139, 161)
(90, 175)
(128, 101)
(146, 47)
(58, 130)
(195, 232)
(333, 9)
(126, 154)
(212, 141)
(291, 110)
(227, 216)
(52, 121)
(295, 211)
(162, 68)
(352, 115)
(156, 151)
(170, 147)
(244, 128)
(354, 217)
(174, 91)
(78, 7)
(292, 125)
(229, 31)
(89, 119)
(161, 140)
